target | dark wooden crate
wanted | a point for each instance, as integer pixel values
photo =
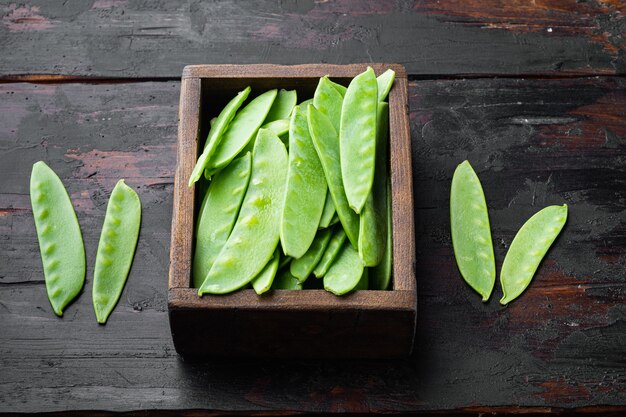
(309, 323)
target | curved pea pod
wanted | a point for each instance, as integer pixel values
(254, 238)
(380, 275)
(60, 239)
(373, 222)
(328, 212)
(302, 267)
(471, 233)
(217, 215)
(328, 100)
(340, 88)
(116, 249)
(283, 105)
(331, 252)
(385, 82)
(285, 281)
(528, 248)
(218, 127)
(262, 282)
(345, 273)
(241, 130)
(280, 126)
(327, 146)
(306, 189)
(305, 103)
(357, 138)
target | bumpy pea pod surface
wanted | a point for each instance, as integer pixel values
(262, 282)
(331, 252)
(116, 249)
(256, 233)
(302, 267)
(345, 272)
(528, 248)
(218, 126)
(327, 146)
(285, 281)
(283, 105)
(471, 233)
(241, 130)
(218, 213)
(373, 222)
(328, 100)
(60, 239)
(385, 81)
(381, 274)
(357, 138)
(306, 189)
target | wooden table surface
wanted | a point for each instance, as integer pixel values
(533, 93)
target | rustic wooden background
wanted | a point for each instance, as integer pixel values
(533, 93)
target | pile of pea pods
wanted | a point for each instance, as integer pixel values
(296, 196)
(61, 242)
(473, 248)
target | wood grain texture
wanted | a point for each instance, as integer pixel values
(557, 349)
(121, 38)
(307, 324)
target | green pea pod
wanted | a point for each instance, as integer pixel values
(331, 252)
(364, 282)
(327, 146)
(280, 126)
(217, 215)
(285, 281)
(471, 233)
(373, 222)
(305, 103)
(357, 138)
(340, 88)
(218, 126)
(262, 282)
(255, 236)
(302, 267)
(381, 274)
(385, 81)
(116, 249)
(306, 189)
(60, 240)
(284, 261)
(345, 272)
(528, 248)
(242, 130)
(328, 100)
(283, 105)
(328, 212)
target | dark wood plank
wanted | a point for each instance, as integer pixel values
(118, 38)
(533, 142)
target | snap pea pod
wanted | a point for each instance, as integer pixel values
(302, 267)
(262, 282)
(326, 144)
(218, 213)
(364, 281)
(241, 130)
(60, 240)
(340, 88)
(334, 220)
(471, 234)
(306, 189)
(285, 281)
(306, 103)
(328, 212)
(116, 249)
(529, 246)
(357, 138)
(218, 127)
(280, 126)
(373, 222)
(345, 272)
(284, 261)
(331, 252)
(385, 81)
(328, 100)
(256, 233)
(381, 274)
(282, 106)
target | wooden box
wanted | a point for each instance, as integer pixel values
(308, 323)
